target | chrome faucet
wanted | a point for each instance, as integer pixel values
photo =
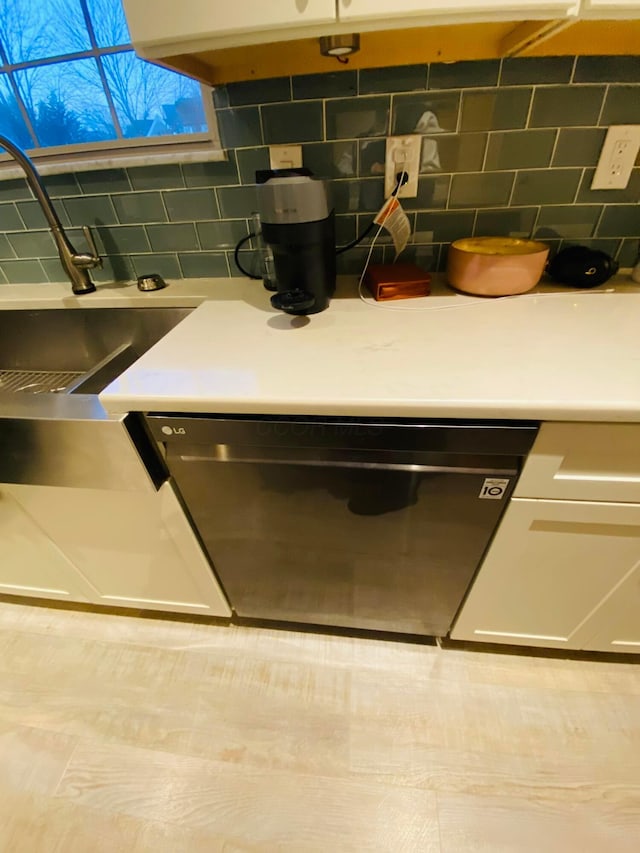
(75, 264)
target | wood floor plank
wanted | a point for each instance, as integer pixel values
(32, 760)
(303, 709)
(280, 811)
(507, 825)
(498, 719)
(109, 711)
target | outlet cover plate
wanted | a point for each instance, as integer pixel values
(285, 156)
(403, 153)
(617, 157)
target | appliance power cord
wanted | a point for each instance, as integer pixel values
(236, 256)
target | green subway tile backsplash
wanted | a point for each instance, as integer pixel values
(600, 69)
(32, 216)
(9, 218)
(91, 210)
(573, 221)
(164, 177)
(578, 146)
(14, 190)
(461, 75)
(349, 118)
(525, 70)
(405, 78)
(6, 248)
(431, 112)
(484, 188)
(340, 84)
(191, 205)
(140, 207)
(32, 244)
(508, 148)
(23, 272)
(294, 122)
(520, 149)
(546, 186)
(561, 106)
(495, 109)
(104, 181)
(621, 106)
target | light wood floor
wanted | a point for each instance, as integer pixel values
(126, 734)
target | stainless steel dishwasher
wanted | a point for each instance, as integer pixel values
(368, 524)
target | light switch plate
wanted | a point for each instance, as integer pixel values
(403, 154)
(285, 156)
(617, 157)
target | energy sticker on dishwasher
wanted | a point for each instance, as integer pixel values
(493, 489)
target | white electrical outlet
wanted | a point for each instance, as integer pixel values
(285, 156)
(403, 154)
(617, 157)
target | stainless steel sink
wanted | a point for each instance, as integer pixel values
(53, 365)
(77, 350)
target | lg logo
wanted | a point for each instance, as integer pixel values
(167, 430)
(493, 489)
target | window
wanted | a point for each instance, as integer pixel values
(70, 81)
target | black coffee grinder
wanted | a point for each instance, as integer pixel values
(298, 225)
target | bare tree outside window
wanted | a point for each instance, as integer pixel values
(68, 76)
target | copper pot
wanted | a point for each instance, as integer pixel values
(495, 266)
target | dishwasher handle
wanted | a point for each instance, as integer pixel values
(410, 462)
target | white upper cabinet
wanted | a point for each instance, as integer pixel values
(219, 24)
(417, 12)
(603, 9)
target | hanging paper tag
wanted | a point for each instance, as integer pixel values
(393, 218)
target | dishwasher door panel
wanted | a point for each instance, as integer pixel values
(385, 548)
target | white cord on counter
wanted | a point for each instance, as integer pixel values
(468, 301)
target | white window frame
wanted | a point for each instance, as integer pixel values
(155, 150)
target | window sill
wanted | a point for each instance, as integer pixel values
(88, 161)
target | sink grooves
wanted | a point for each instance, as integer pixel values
(37, 381)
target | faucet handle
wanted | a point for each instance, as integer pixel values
(88, 236)
(92, 260)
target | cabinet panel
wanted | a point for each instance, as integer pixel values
(30, 562)
(132, 549)
(165, 21)
(442, 11)
(615, 626)
(551, 564)
(588, 462)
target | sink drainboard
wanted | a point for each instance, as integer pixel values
(37, 381)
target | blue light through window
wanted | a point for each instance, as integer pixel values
(69, 76)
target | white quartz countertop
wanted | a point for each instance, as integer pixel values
(568, 355)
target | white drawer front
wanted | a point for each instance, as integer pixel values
(583, 462)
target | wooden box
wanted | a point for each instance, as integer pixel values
(396, 281)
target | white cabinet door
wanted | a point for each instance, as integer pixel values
(550, 566)
(583, 462)
(453, 11)
(134, 549)
(603, 9)
(615, 626)
(155, 22)
(30, 562)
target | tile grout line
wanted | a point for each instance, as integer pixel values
(598, 222)
(534, 89)
(602, 105)
(555, 145)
